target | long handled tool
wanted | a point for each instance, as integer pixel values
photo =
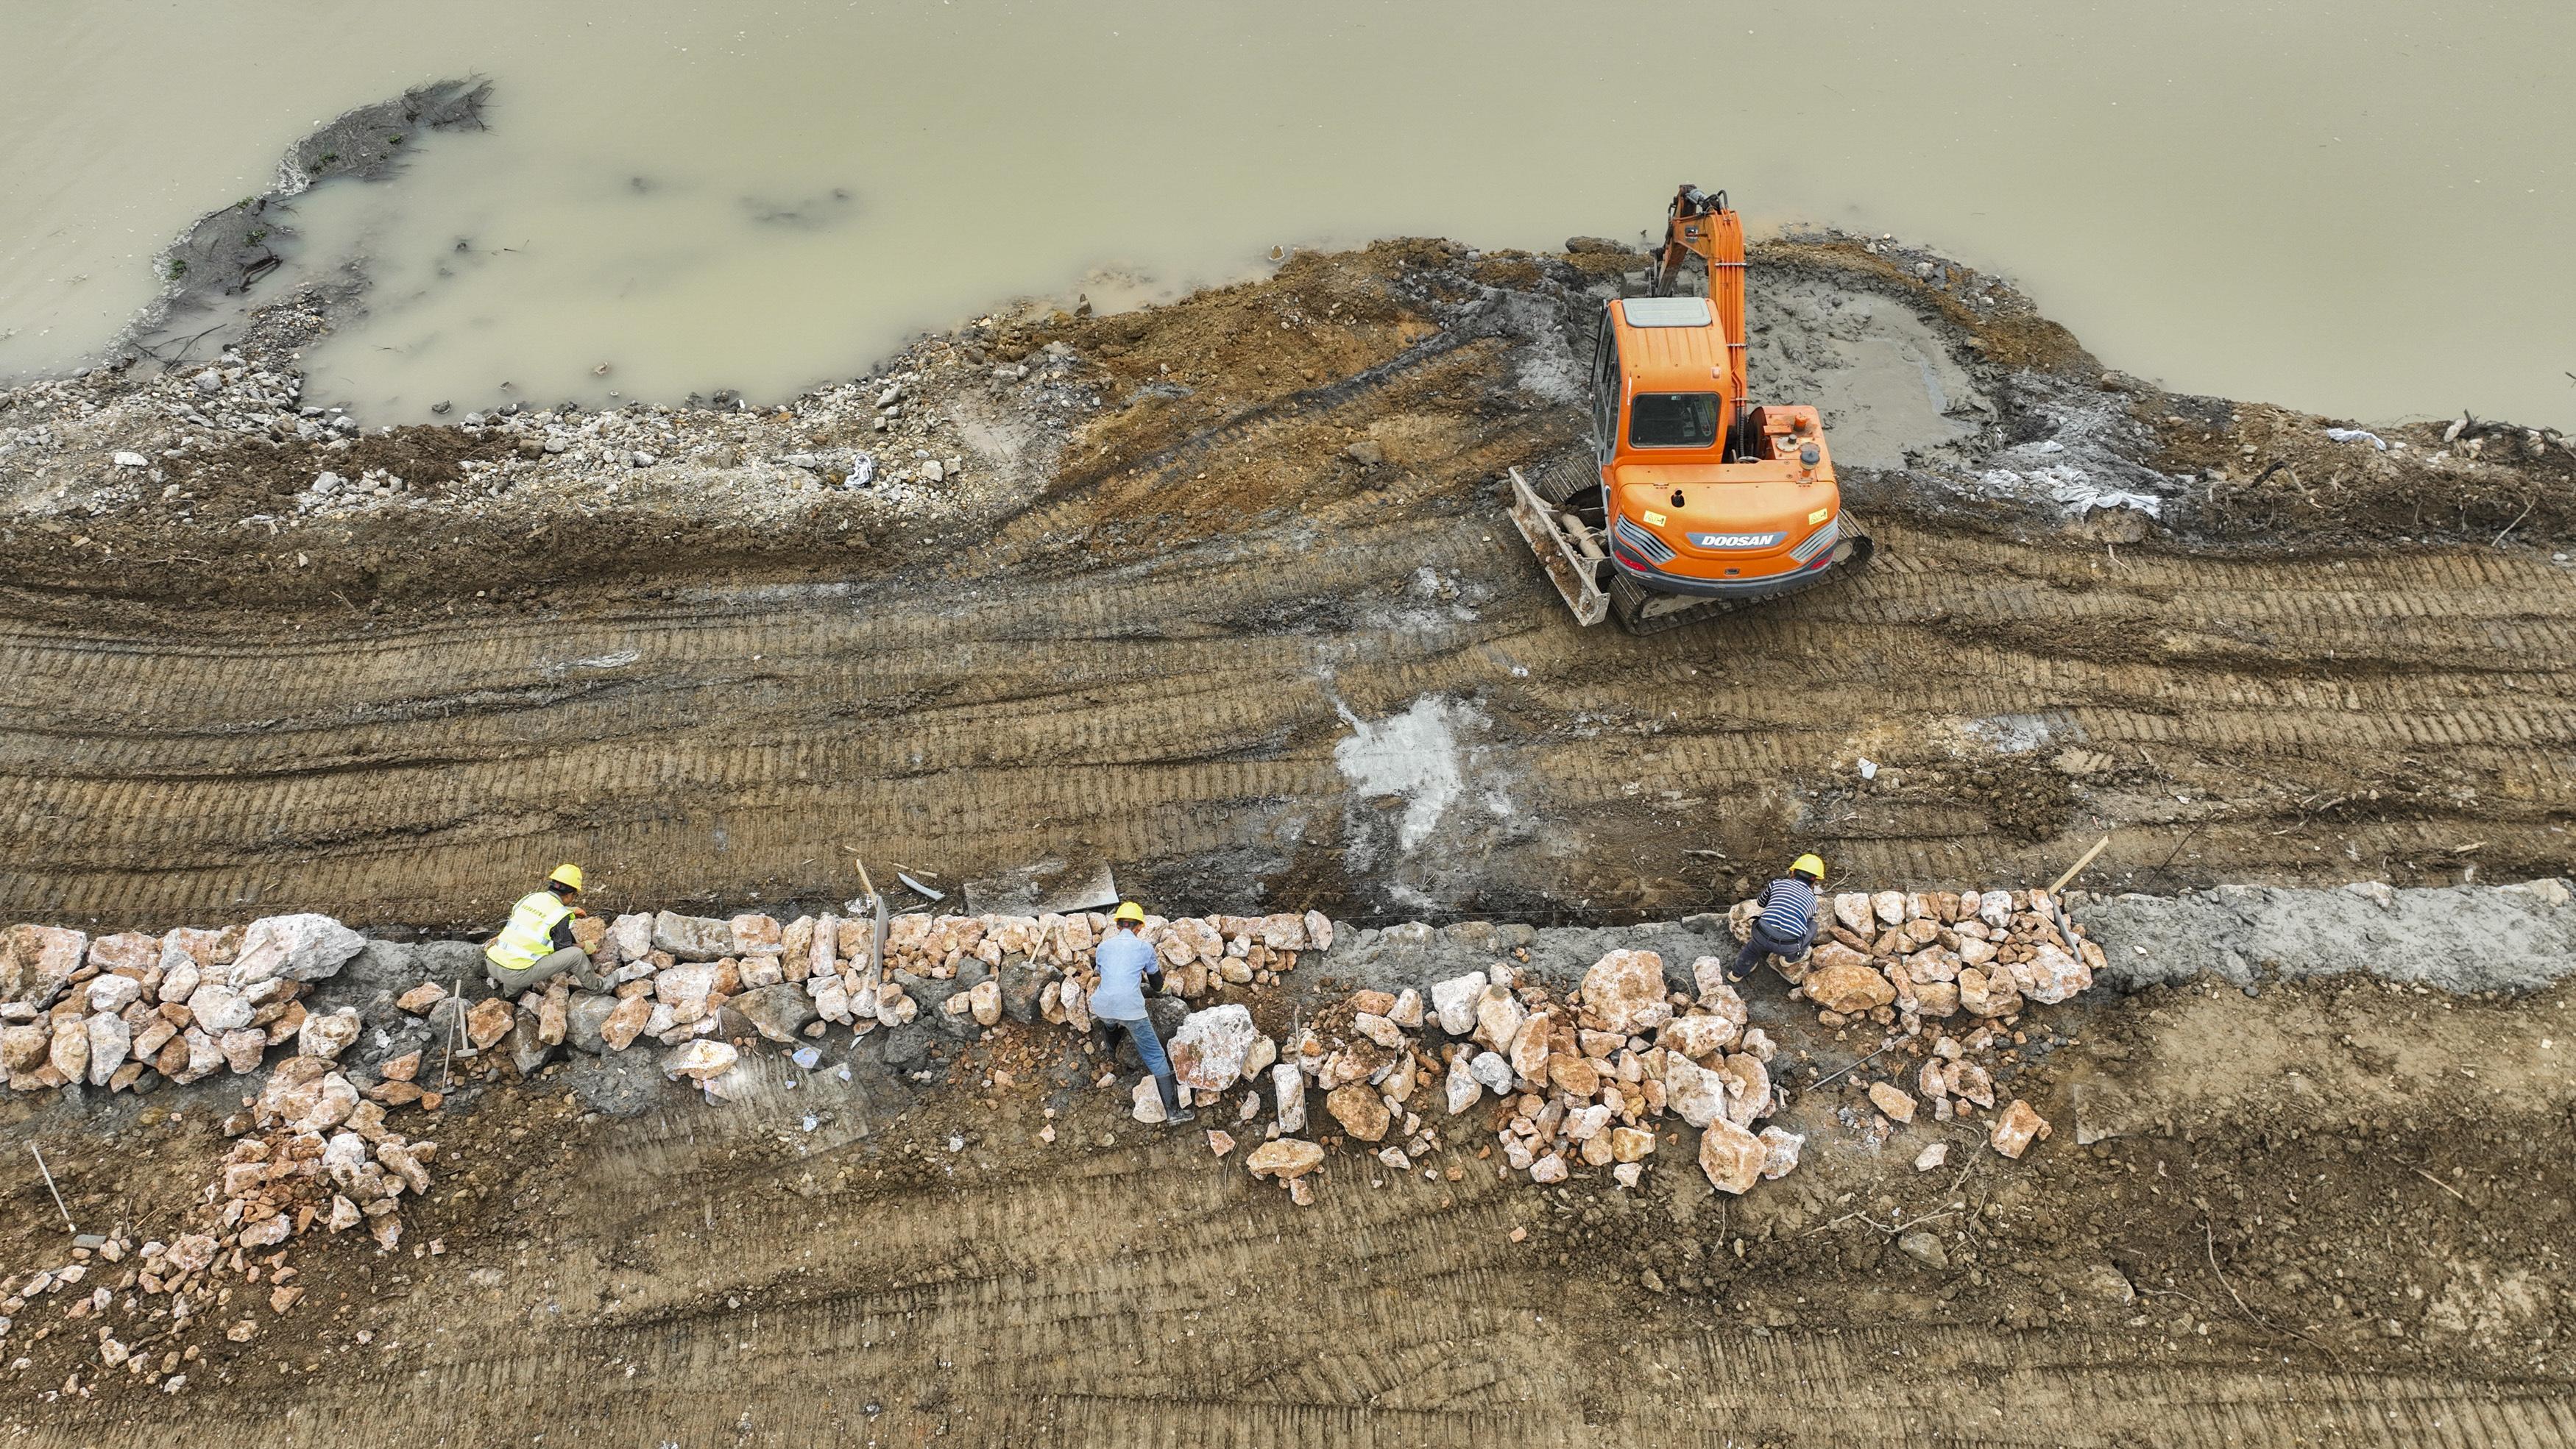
(877, 936)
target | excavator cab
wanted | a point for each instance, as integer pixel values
(1697, 500)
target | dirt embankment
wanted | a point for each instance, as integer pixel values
(2344, 1227)
(1219, 592)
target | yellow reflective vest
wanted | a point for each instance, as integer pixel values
(530, 935)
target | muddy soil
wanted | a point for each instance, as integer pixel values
(2349, 1227)
(1221, 594)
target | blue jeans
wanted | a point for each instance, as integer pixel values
(1149, 1046)
(1763, 944)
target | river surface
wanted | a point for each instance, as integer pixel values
(2362, 208)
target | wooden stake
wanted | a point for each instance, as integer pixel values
(56, 1191)
(2059, 884)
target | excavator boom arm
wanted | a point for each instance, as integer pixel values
(1699, 224)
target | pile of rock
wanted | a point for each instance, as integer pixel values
(185, 1005)
(1935, 954)
(1578, 1082)
(690, 981)
(321, 1152)
(1915, 960)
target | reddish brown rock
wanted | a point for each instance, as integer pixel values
(1287, 1157)
(1356, 1106)
(1573, 1074)
(488, 1021)
(626, 1022)
(1624, 993)
(2015, 1127)
(1848, 988)
(1731, 1156)
(1891, 1099)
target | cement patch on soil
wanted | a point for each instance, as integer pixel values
(2458, 938)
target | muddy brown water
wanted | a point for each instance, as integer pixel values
(2357, 211)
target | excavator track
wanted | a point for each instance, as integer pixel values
(1647, 611)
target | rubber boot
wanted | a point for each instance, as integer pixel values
(1173, 1111)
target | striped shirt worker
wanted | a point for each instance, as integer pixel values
(1787, 926)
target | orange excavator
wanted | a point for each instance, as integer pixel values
(1693, 499)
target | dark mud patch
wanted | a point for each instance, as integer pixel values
(228, 252)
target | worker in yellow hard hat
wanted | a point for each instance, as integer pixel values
(1789, 923)
(1130, 968)
(537, 944)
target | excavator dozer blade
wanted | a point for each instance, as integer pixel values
(1575, 576)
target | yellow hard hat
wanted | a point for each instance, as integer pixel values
(1129, 911)
(1813, 865)
(566, 875)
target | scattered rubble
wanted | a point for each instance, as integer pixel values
(1568, 1081)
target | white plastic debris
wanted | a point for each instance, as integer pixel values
(2357, 435)
(1868, 768)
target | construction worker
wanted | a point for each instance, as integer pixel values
(1789, 923)
(1129, 968)
(537, 943)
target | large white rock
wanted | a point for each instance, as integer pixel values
(698, 1060)
(1624, 993)
(36, 962)
(1731, 1156)
(1209, 1050)
(113, 994)
(2050, 976)
(1889, 907)
(1464, 1089)
(630, 936)
(344, 1157)
(180, 975)
(327, 1034)
(218, 1008)
(1780, 1148)
(1288, 1090)
(1692, 1092)
(304, 947)
(1319, 931)
(685, 985)
(831, 998)
(1698, 1035)
(1498, 1017)
(1454, 1000)
(205, 1054)
(1378, 1029)
(109, 1040)
(1748, 1088)
(1853, 912)
(692, 938)
(1492, 1071)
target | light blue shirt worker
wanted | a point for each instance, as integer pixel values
(1125, 960)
